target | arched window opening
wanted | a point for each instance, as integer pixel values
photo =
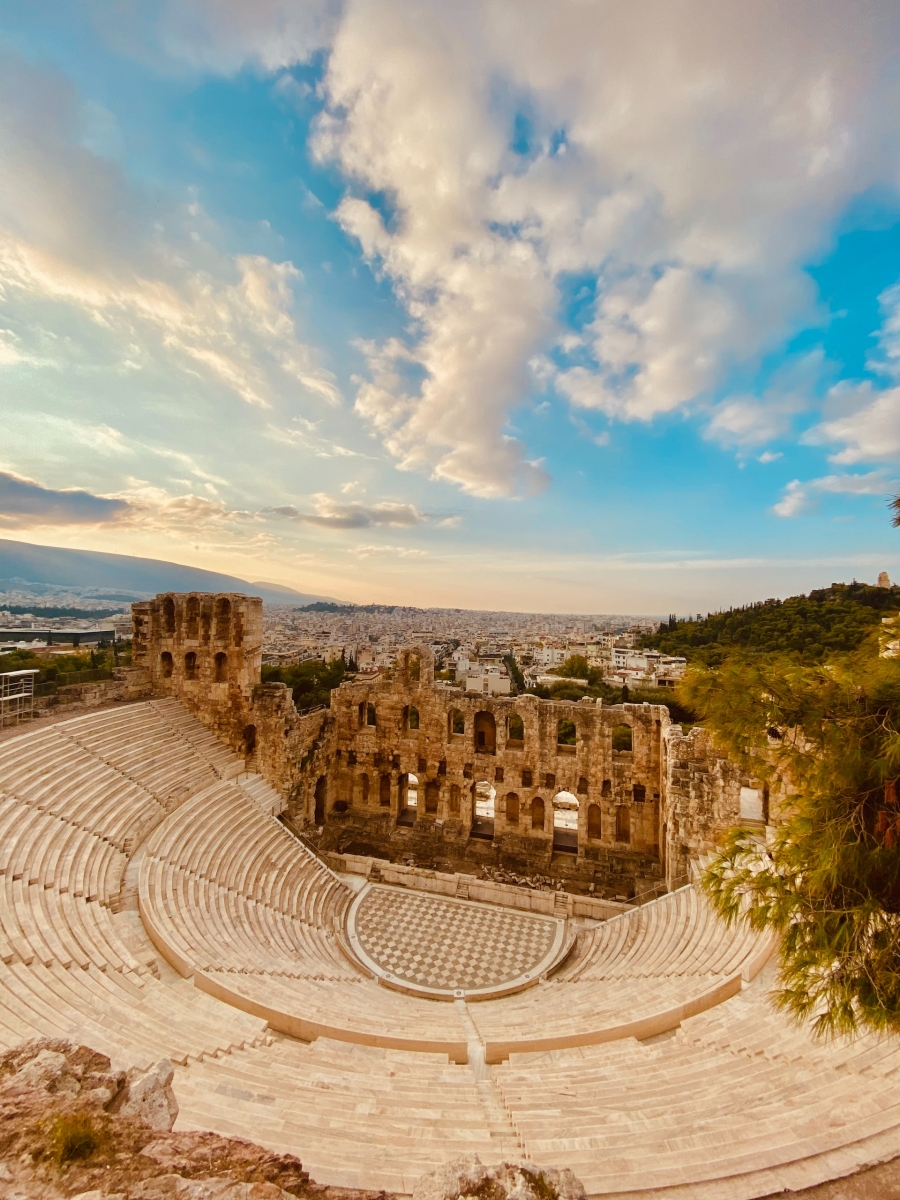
(623, 823)
(565, 732)
(190, 665)
(639, 793)
(384, 792)
(410, 717)
(370, 715)
(594, 822)
(223, 619)
(485, 733)
(537, 814)
(165, 662)
(192, 618)
(622, 739)
(606, 790)
(565, 823)
(512, 808)
(321, 796)
(485, 795)
(414, 670)
(409, 799)
(515, 731)
(248, 740)
(221, 665)
(457, 722)
(364, 788)
(432, 796)
(455, 797)
(169, 615)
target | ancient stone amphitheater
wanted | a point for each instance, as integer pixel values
(155, 905)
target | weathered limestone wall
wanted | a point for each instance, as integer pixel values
(647, 793)
(127, 683)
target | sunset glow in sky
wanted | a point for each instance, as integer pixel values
(554, 306)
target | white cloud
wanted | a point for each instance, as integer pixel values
(865, 420)
(694, 174)
(769, 456)
(388, 552)
(330, 513)
(748, 420)
(801, 497)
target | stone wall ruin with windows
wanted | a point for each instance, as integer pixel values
(402, 764)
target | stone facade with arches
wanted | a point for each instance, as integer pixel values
(649, 799)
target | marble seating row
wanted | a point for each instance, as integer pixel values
(694, 1112)
(364, 1117)
(222, 835)
(675, 935)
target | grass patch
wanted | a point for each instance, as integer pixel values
(73, 1136)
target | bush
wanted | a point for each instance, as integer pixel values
(72, 1136)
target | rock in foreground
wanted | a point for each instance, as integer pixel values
(469, 1179)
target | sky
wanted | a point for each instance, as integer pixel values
(572, 306)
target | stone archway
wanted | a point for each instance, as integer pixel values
(565, 823)
(484, 795)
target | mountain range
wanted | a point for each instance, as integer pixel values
(23, 564)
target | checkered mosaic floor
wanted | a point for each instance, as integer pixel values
(449, 944)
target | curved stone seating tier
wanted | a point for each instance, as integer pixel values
(676, 935)
(132, 1019)
(364, 1117)
(222, 836)
(704, 1117)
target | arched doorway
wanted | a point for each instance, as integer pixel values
(409, 799)
(248, 739)
(565, 823)
(485, 796)
(485, 733)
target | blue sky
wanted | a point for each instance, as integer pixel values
(531, 306)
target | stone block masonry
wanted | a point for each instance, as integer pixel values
(579, 791)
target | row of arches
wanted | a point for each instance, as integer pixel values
(485, 729)
(193, 623)
(191, 666)
(531, 816)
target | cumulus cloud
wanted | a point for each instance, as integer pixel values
(690, 177)
(802, 497)
(25, 504)
(330, 513)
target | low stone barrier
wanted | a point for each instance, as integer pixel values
(486, 890)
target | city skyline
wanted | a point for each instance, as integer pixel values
(529, 308)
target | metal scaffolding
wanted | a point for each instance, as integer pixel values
(16, 696)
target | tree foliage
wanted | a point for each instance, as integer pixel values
(310, 682)
(827, 621)
(829, 881)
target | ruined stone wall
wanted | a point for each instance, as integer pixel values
(665, 798)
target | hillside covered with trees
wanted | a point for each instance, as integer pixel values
(811, 628)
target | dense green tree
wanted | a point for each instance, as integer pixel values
(310, 682)
(827, 621)
(576, 666)
(829, 881)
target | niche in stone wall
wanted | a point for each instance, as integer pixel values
(432, 796)
(371, 716)
(622, 739)
(168, 609)
(248, 739)
(639, 793)
(192, 618)
(512, 808)
(485, 733)
(165, 664)
(623, 823)
(537, 814)
(321, 794)
(223, 619)
(455, 797)
(190, 665)
(364, 788)
(384, 791)
(594, 821)
(220, 664)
